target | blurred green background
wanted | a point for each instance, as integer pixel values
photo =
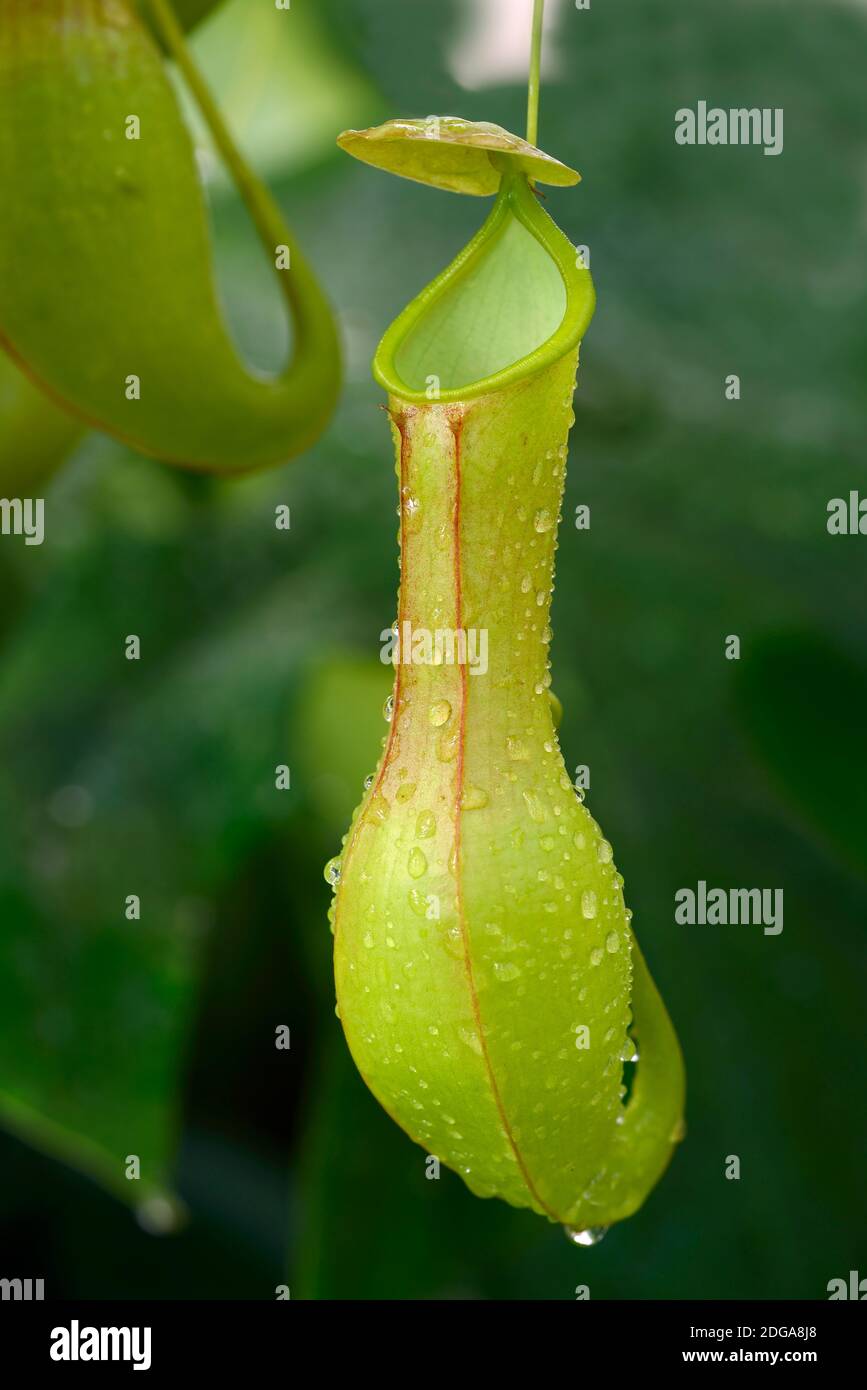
(259, 648)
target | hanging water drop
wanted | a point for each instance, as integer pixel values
(590, 1235)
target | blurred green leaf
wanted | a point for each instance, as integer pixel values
(154, 778)
(285, 87)
(802, 701)
(338, 731)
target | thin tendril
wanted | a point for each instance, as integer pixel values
(535, 68)
(266, 216)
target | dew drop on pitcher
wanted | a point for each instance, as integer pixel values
(417, 863)
(412, 512)
(439, 713)
(474, 798)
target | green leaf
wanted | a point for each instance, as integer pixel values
(106, 285)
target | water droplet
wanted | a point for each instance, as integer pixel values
(418, 901)
(474, 798)
(526, 584)
(378, 808)
(506, 970)
(368, 940)
(612, 942)
(604, 852)
(534, 806)
(596, 955)
(425, 825)
(453, 942)
(590, 1235)
(543, 521)
(368, 782)
(405, 791)
(517, 750)
(439, 713)
(417, 863)
(447, 746)
(332, 871)
(629, 1051)
(388, 708)
(472, 1039)
(588, 904)
(160, 1216)
(412, 511)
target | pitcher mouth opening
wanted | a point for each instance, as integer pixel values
(514, 301)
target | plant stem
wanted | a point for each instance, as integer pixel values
(535, 68)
